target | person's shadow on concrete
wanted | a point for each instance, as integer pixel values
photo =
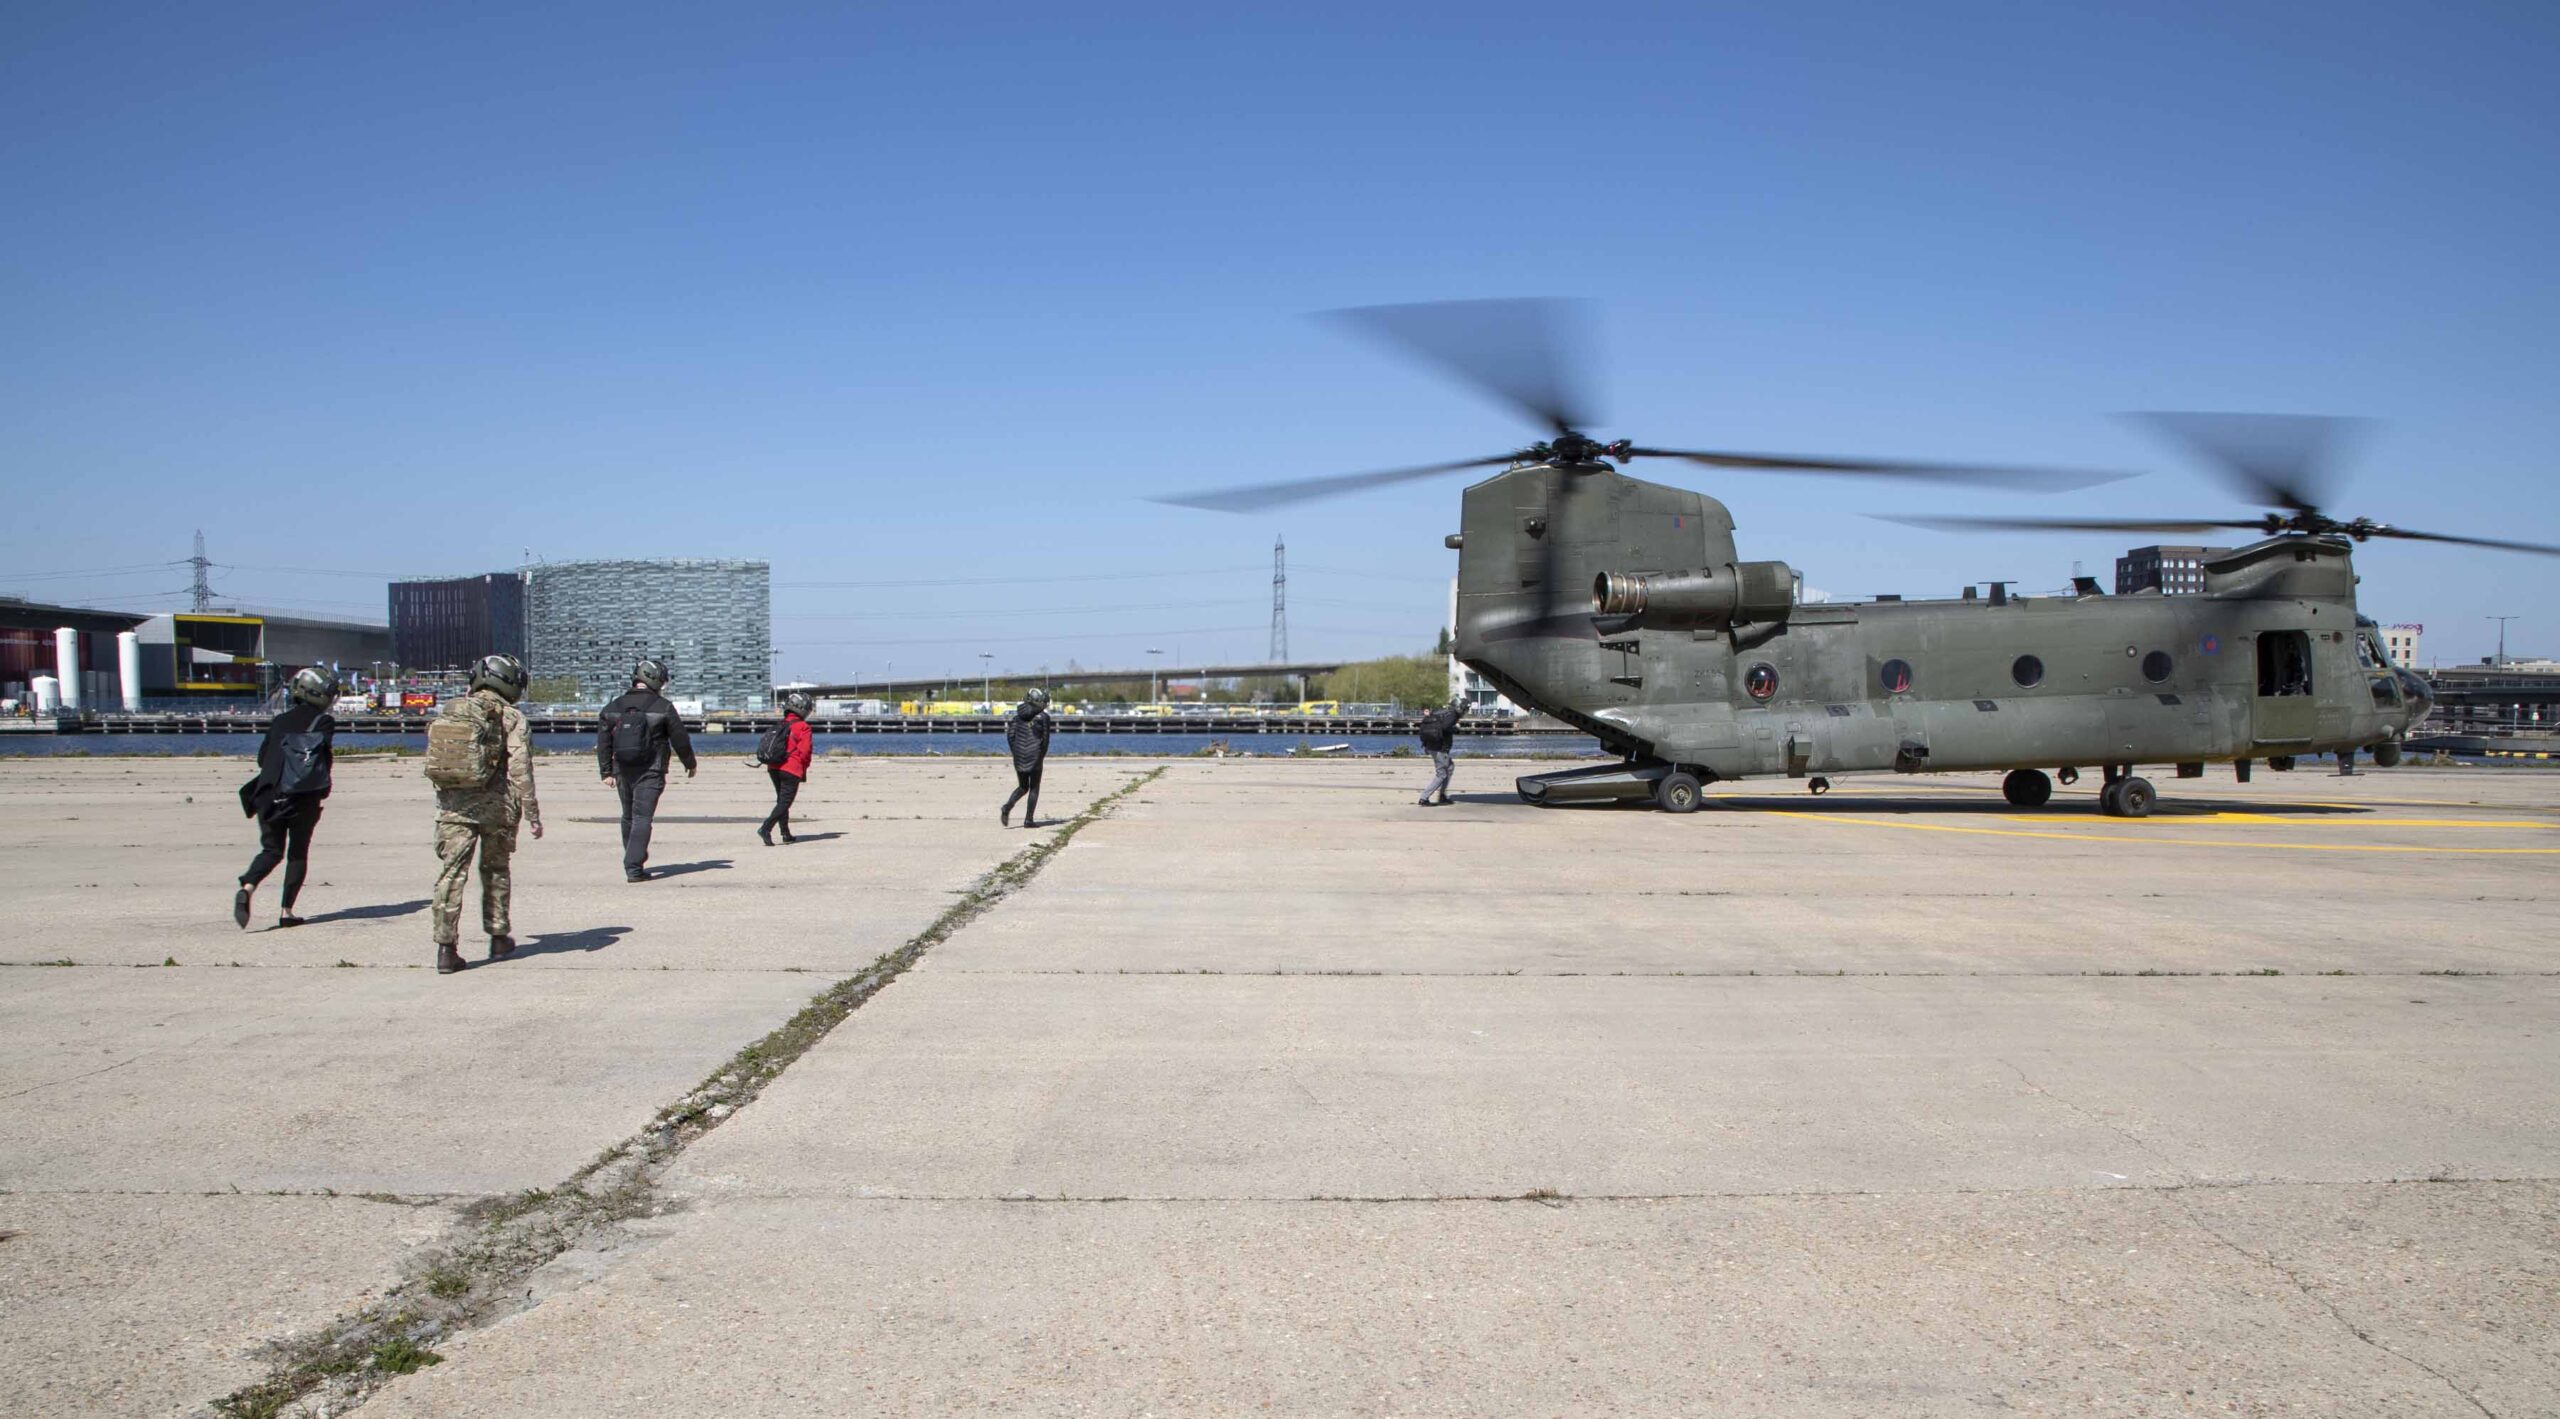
(797, 838)
(373, 913)
(683, 869)
(594, 938)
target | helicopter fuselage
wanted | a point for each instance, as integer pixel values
(1718, 678)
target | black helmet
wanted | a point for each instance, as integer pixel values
(1036, 697)
(314, 686)
(652, 673)
(502, 674)
(798, 703)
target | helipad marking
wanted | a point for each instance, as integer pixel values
(2110, 837)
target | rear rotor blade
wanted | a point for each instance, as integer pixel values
(1526, 353)
(2406, 534)
(2049, 480)
(1256, 496)
(2274, 460)
(2072, 524)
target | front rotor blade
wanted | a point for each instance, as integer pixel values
(1256, 496)
(2274, 460)
(1526, 353)
(2540, 548)
(2047, 480)
(2069, 524)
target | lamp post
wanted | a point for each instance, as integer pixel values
(2501, 661)
(1152, 695)
(986, 690)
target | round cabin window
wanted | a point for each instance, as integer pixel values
(2027, 671)
(1760, 681)
(1896, 676)
(2157, 665)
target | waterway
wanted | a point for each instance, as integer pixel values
(1154, 746)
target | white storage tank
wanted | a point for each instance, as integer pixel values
(129, 668)
(66, 662)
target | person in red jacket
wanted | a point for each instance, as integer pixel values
(794, 768)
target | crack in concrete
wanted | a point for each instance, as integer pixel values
(2140, 1144)
(2362, 1335)
(69, 1079)
(1022, 1197)
(484, 1274)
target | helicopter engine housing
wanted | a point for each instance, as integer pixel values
(1736, 593)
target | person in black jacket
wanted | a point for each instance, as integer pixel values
(294, 761)
(1027, 736)
(1438, 730)
(634, 737)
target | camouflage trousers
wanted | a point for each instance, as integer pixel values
(455, 845)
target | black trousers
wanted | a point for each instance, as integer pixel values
(785, 789)
(639, 812)
(284, 835)
(1026, 784)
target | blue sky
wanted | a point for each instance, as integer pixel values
(926, 298)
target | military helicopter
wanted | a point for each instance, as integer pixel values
(1620, 607)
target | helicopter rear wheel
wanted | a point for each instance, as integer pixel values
(1679, 792)
(2386, 755)
(2128, 797)
(2027, 788)
(2280, 763)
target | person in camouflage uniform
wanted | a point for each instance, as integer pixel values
(483, 821)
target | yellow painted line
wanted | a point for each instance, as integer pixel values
(2167, 842)
(2348, 820)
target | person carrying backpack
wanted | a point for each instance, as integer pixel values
(293, 777)
(785, 752)
(1439, 735)
(634, 737)
(1026, 736)
(480, 758)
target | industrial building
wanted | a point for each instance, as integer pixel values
(195, 655)
(2402, 642)
(710, 621)
(448, 624)
(72, 648)
(2171, 571)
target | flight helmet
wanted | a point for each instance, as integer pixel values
(798, 703)
(652, 673)
(503, 674)
(1037, 698)
(313, 685)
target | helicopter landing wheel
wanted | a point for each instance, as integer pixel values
(2386, 755)
(1678, 792)
(2280, 763)
(2128, 797)
(1819, 785)
(2027, 788)
(2068, 775)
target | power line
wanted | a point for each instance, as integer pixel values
(1006, 580)
(1021, 640)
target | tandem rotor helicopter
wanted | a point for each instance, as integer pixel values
(1620, 607)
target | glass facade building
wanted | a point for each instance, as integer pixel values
(448, 624)
(710, 621)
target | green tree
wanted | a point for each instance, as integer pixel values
(1408, 680)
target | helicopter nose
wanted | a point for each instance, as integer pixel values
(2421, 695)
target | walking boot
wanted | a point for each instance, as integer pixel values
(240, 908)
(288, 919)
(786, 836)
(448, 960)
(767, 835)
(501, 947)
(636, 874)
(1004, 815)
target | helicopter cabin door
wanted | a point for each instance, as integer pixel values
(2286, 709)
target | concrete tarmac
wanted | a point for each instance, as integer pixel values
(1275, 1093)
(210, 1138)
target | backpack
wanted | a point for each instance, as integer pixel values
(304, 766)
(466, 744)
(632, 741)
(774, 748)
